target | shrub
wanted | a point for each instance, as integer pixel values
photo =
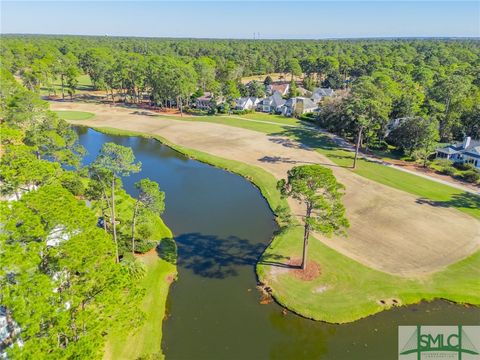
(448, 170)
(463, 166)
(311, 117)
(142, 246)
(193, 111)
(471, 176)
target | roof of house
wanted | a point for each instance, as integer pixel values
(324, 91)
(274, 100)
(307, 103)
(473, 152)
(282, 88)
(472, 149)
(207, 96)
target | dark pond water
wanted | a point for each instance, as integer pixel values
(222, 224)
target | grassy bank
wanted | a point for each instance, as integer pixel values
(160, 272)
(148, 339)
(346, 290)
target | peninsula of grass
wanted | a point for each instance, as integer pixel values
(74, 115)
(346, 290)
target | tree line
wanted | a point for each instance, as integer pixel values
(404, 79)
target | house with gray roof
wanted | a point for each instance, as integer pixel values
(467, 151)
(323, 92)
(298, 106)
(246, 103)
(272, 103)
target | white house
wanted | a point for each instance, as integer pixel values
(272, 103)
(246, 103)
(467, 151)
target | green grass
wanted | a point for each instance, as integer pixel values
(74, 115)
(84, 84)
(148, 339)
(160, 272)
(347, 290)
(350, 290)
(439, 194)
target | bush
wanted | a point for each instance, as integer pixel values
(472, 176)
(72, 182)
(143, 246)
(448, 170)
(198, 112)
(311, 117)
(463, 166)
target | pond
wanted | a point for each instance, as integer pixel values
(221, 225)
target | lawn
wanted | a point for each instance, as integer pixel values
(74, 115)
(148, 339)
(345, 290)
(241, 121)
(160, 272)
(84, 84)
(440, 194)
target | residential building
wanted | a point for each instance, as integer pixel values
(319, 93)
(298, 106)
(280, 87)
(246, 103)
(272, 103)
(207, 101)
(467, 151)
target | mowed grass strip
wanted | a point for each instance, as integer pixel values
(74, 115)
(346, 290)
(148, 339)
(159, 274)
(435, 193)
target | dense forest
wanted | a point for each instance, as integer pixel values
(434, 80)
(69, 277)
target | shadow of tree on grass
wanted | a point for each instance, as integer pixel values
(464, 200)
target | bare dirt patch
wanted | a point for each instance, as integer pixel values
(311, 272)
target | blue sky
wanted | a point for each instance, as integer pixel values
(235, 19)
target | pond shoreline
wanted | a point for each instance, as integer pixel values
(273, 202)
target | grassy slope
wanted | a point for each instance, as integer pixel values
(148, 339)
(352, 289)
(156, 282)
(74, 115)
